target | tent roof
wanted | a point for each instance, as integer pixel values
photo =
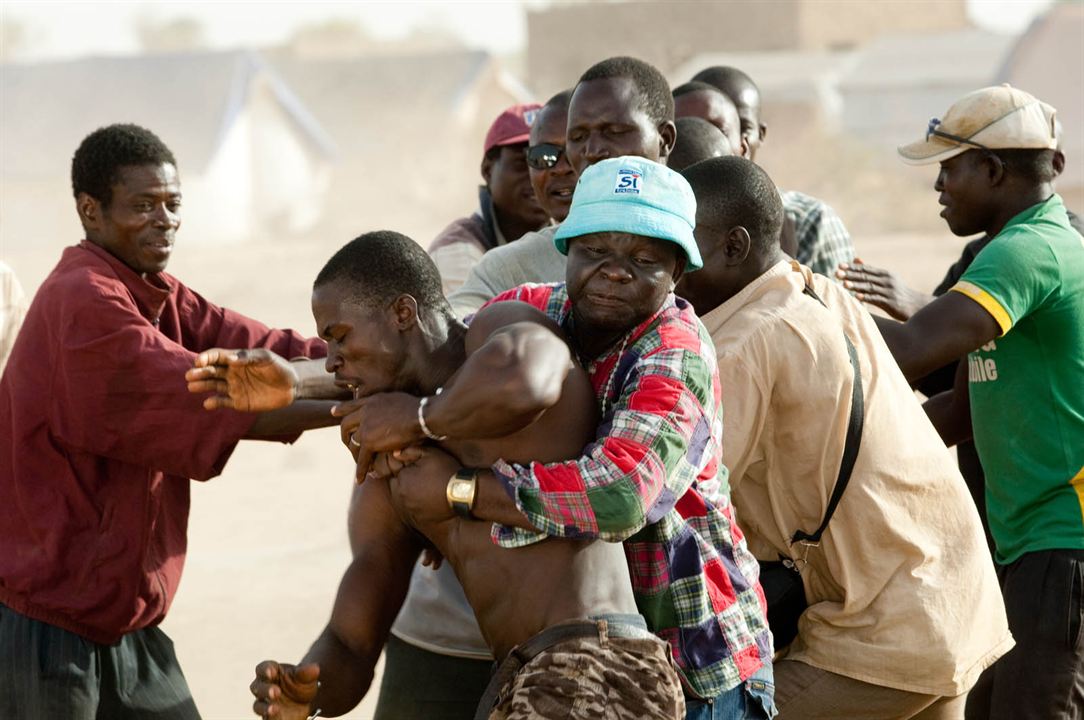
(189, 100)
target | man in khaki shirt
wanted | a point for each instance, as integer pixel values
(904, 608)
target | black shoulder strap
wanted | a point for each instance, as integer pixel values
(850, 447)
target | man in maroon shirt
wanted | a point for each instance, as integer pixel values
(98, 438)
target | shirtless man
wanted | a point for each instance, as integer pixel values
(379, 305)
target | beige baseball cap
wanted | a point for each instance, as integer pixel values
(999, 117)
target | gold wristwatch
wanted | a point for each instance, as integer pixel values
(462, 488)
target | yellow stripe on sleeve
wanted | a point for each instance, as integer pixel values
(989, 304)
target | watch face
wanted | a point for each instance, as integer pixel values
(461, 490)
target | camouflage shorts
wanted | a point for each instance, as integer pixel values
(597, 677)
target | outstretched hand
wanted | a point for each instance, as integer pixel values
(881, 288)
(246, 380)
(283, 691)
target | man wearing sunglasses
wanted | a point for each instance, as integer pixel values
(1018, 314)
(507, 205)
(552, 177)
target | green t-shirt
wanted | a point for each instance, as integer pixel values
(1027, 387)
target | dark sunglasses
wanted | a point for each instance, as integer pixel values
(544, 156)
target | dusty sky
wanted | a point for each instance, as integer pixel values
(54, 30)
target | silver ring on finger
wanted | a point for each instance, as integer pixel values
(354, 443)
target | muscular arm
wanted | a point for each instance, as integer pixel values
(948, 328)
(636, 470)
(516, 363)
(300, 416)
(370, 596)
(515, 367)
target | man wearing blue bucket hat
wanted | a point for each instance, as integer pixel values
(653, 477)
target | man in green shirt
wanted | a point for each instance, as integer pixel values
(1018, 312)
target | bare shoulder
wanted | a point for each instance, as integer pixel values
(498, 315)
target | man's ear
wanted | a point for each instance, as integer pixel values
(736, 246)
(679, 269)
(763, 129)
(667, 139)
(995, 168)
(487, 167)
(405, 311)
(744, 153)
(89, 210)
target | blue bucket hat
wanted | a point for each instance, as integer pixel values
(636, 196)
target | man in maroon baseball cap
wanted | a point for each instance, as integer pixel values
(507, 205)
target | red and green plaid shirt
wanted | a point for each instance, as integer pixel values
(653, 480)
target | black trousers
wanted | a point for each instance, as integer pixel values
(47, 673)
(1042, 678)
(422, 684)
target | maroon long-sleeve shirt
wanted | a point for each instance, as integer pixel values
(99, 437)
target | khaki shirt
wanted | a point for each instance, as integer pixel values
(531, 259)
(902, 589)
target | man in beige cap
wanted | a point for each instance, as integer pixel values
(1018, 313)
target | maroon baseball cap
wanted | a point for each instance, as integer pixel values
(512, 126)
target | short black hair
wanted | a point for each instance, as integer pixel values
(561, 99)
(697, 140)
(655, 96)
(730, 80)
(382, 265)
(1034, 166)
(97, 162)
(557, 103)
(695, 86)
(733, 191)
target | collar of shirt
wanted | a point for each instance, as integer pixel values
(605, 363)
(149, 291)
(715, 318)
(1052, 209)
